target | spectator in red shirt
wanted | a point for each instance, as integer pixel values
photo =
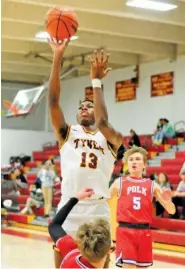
(93, 240)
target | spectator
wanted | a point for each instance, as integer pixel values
(9, 190)
(16, 163)
(167, 129)
(36, 199)
(134, 141)
(160, 123)
(164, 183)
(179, 195)
(20, 178)
(157, 138)
(47, 177)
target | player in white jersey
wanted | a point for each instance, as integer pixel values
(86, 154)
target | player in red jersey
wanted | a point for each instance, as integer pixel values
(134, 211)
(93, 240)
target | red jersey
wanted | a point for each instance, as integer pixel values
(135, 200)
(71, 254)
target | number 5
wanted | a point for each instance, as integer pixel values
(137, 203)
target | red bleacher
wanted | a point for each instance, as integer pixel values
(170, 224)
(18, 217)
(167, 162)
(173, 169)
(180, 154)
(172, 238)
(174, 178)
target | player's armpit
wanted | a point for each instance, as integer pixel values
(163, 200)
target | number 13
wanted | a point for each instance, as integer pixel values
(137, 203)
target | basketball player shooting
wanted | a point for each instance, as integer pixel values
(134, 211)
(87, 155)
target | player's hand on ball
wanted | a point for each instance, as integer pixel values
(85, 193)
(98, 65)
(58, 47)
(167, 194)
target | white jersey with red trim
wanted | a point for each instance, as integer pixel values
(86, 162)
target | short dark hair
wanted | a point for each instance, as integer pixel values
(86, 100)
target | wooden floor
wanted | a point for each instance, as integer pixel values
(24, 252)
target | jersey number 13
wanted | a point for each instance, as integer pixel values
(89, 160)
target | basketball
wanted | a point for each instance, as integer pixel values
(61, 23)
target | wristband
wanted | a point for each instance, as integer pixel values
(96, 83)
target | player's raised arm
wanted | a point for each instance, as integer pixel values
(98, 71)
(56, 114)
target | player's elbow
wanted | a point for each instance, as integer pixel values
(53, 101)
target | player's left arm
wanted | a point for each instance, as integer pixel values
(98, 71)
(164, 198)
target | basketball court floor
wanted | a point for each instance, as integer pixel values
(32, 251)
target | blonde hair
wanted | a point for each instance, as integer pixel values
(94, 240)
(133, 150)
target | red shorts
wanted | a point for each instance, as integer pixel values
(133, 246)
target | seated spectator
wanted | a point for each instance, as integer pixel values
(16, 163)
(160, 123)
(20, 178)
(9, 190)
(168, 131)
(36, 199)
(164, 183)
(47, 177)
(179, 195)
(134, 141)
(157, 138)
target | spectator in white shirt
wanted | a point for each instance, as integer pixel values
(47, 177)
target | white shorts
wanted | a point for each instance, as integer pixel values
(84, 212)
